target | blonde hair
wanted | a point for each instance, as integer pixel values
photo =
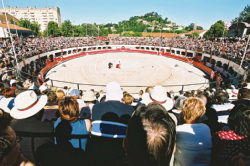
(69, 109)
(128, 99)
(60, 94)
(193, 108)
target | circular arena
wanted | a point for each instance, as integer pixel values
(134, 71)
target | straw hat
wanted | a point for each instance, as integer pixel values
(89, 96)
(27, 104)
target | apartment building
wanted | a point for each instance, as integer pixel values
(40, 15)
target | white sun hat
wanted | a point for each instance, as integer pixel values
(89, 96)
(159, 96)
(27, 104)
(113, 91)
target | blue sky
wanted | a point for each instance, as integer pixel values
(183, 12)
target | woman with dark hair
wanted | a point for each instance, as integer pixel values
(150, 136)
(221, 105)
(69, 114)
(234, 141)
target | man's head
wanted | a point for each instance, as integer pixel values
(150, 136)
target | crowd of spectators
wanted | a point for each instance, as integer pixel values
(28, 47)
(60, 126)
(52, 126)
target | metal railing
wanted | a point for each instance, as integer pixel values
(204, 85)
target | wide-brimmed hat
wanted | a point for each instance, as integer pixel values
(159, 96)
(27, 104)
(89, 96)
(6, 104)
(113, 91)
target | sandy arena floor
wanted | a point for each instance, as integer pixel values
(137, 69)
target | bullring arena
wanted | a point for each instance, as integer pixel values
(137, 71)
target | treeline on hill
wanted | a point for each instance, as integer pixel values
(150, 22)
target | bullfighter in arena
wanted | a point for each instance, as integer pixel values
(110, 65)
(118, 65)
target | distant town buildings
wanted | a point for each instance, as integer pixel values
(40, 15)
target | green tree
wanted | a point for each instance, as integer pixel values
(34, 26)
(244, 16)
(52, 29)
(190, 27)
(24, 23)
(199, 28)
(67, 29)
(195, 35)
(216, 30)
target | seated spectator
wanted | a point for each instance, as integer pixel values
(222, 105)
(7, 101)
(69, 114)
(127, 99)
(50, 112)
(27, 112)
(232, 142)
(178, 109)
(150, 137)
(63, 153)
(10, 153)
(193, 139)
(1, 90)
(75, 93)
(243, 96)
(109, 128)
(60, 94)
(89, 99)
(159, 95)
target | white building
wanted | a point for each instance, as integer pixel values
(40, 15)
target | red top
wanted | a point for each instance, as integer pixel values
(229, 135)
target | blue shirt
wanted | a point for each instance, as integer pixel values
(78, 128)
